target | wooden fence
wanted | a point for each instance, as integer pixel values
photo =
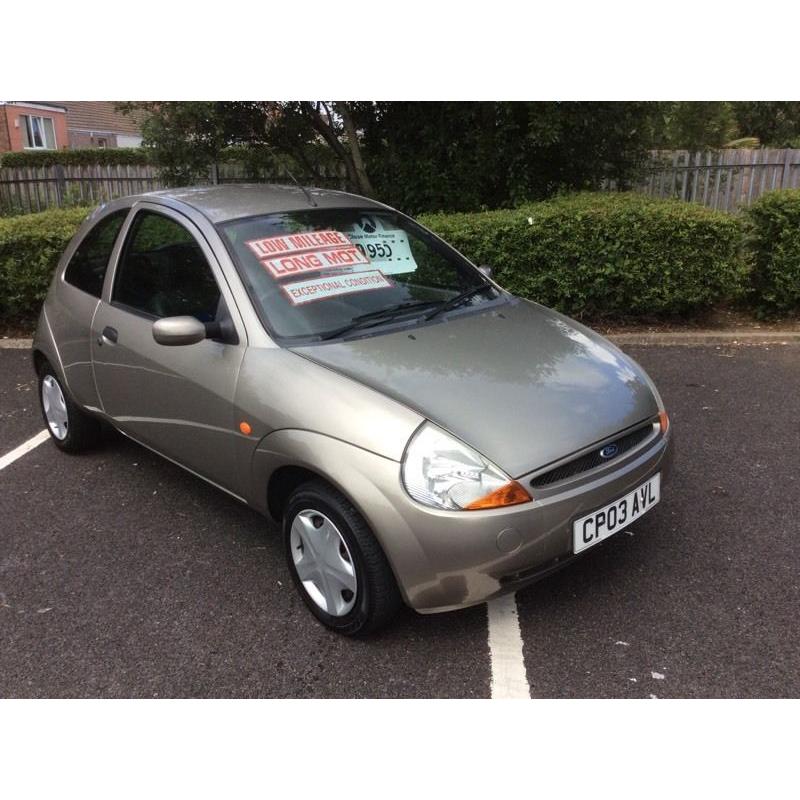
(332, 177)
(722, 179)
(30, 189)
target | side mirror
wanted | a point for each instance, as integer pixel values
(486, 270)
(173, 331)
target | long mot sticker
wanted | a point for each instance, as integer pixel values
(295, 253)
(301, 292)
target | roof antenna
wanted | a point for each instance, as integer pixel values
(297, 183)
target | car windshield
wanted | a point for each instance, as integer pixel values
(323, 273)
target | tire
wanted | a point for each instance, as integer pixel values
(312, 508)
(80, 431)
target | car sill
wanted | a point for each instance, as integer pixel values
(178, 464)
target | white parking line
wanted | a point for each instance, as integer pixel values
(509, 680)
(16, 344)
(26, 447)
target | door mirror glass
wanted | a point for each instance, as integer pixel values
(173, 331)
(486, 270)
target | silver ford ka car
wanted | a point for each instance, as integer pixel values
(421, 435)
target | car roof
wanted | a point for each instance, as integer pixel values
(224, 202)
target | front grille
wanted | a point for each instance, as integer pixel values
(593, 459)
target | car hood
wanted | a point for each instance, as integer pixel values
(520, 383)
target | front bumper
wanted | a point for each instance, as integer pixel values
(451, 559)
(464, 558)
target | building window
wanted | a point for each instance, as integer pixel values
(102, 143)
(38, 133)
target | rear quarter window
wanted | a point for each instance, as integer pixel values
(87, 267)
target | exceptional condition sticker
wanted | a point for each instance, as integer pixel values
(307, 291)
(295, 253)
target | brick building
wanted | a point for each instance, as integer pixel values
(56, 125)
(33, 126)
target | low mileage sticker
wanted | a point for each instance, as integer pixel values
(293, 254)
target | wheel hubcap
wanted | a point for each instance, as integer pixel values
(55, 408)
(323, 563)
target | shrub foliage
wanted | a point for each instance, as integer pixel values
(78, 158)
(30, 247)
(600, 256)
(773, 239)
(594, 256)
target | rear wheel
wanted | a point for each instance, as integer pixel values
(71, 428)
(336, 563)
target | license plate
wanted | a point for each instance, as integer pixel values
(616, 516)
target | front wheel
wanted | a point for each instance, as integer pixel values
(336, 563)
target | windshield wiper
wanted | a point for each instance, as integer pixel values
(458, 299)
(377, 317)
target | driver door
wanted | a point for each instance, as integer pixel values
(178, 400)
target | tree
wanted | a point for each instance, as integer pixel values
(465, 156)
(334, 122)
(775, 123)
(418, 156)
(187, 137)
(697, 125)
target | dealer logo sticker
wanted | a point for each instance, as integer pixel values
(367, 224)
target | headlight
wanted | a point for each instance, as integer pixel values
(441, 471)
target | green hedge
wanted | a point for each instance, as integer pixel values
(30, 247)
(773, 239)
(80, 158)
(605, 255)
(593, 256)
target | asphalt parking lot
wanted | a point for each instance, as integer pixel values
(123, 576)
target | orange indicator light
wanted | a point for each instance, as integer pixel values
(509, 495)
(245, 428)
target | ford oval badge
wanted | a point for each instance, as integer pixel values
(609, 451)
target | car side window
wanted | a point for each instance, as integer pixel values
(87, 267)
(163, 272)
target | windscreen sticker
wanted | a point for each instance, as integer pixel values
(292, 254)
(302, 292)
(386, 248)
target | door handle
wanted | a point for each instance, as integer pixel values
(109, 334)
